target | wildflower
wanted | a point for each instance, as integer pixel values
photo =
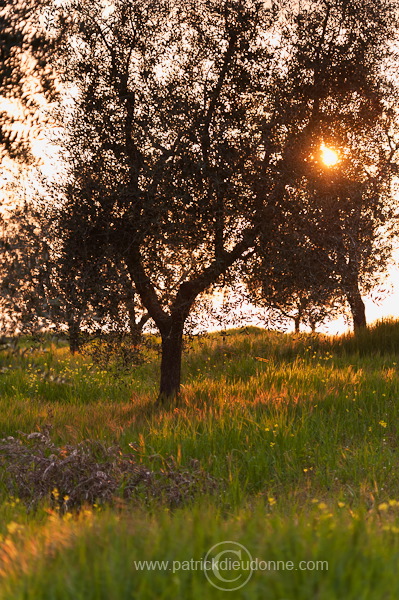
(13, 527)
(272, 501)
(391, 528)
(383, 506)
(383, 423)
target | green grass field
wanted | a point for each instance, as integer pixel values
(285, 444)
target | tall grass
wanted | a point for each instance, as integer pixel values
(325, 554)
(300, 432)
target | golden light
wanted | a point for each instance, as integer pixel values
(328, 156)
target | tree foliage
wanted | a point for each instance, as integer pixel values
(335, 91)
(27, 77)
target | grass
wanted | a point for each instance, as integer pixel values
(98, 557)
(301, 432)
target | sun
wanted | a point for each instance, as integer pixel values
(328, 156)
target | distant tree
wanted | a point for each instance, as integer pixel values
(27, 82)
(290, 277)
(336, 242)
(354, 221)
(36, 296)
(335, 91)
(195, 120)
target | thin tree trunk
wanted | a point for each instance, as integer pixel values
(172, 347)
(134, 327)
(131, 310)
(74, 335)
(357, 307)
(297, 321)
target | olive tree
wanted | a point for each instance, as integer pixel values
(191, 121)
(336, 93)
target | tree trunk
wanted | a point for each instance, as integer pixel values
(74, 335)
(131, 310)
(172, 346)
(134, 327)
(297, 322)
(357, 308)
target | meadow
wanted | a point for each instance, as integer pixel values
(286, 444)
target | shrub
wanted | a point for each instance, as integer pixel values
(33, 468)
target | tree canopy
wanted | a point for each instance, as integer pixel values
(336, 93)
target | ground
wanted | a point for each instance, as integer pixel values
(286, 445)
